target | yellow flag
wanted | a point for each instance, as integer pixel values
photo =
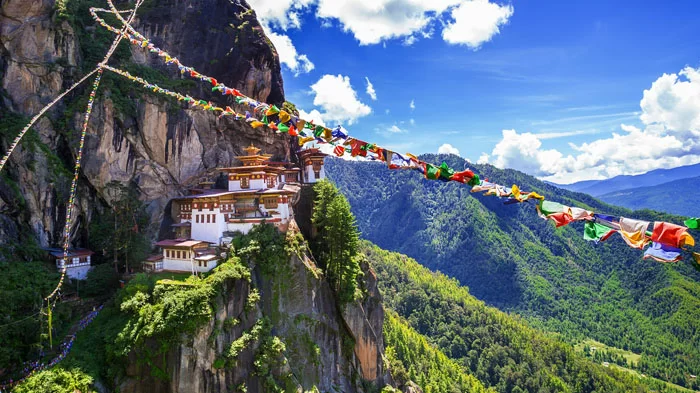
(697, 257)
(284, 117)
(256, 124)
(515, 190)
(687, 240)
(304, 140)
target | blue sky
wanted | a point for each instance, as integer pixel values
(564, 76)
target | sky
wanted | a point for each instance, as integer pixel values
(562, 90)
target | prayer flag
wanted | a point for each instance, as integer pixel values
(596, 232)
(668, 234)
(339, 151)
(284, 117)
(561, 219)
(634, 232)
(693, 223)
(283, 127)
(293, 131)
(446, 172)
(431, 172)
(696, 256)
(663, 253)
(463, 176)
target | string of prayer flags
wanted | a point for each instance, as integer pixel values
(667, 238)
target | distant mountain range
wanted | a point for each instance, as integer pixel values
(675, 197)
(597, 188)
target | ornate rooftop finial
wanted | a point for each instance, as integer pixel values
(251, 150)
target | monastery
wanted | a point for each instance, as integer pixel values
(206, 220)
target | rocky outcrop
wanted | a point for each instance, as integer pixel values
(134, 137)
(325, 348)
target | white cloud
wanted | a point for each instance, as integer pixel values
(370, 90)
(413, 122)
(670, 138)
(469, 22)
(284, 14)
(396, 129)
(299, 64)
(412, 105)
(314, 116)
(448, 149)
(337, 98)
(476, 22)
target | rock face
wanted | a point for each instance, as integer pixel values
(330, 350)
(135, 138)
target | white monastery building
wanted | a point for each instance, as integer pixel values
(258, 191)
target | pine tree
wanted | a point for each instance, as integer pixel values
(338, 242)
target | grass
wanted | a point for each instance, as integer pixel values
(631, 357)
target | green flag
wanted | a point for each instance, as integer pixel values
(445, 171)
(432, 172)
(283, 127)
(318, 131)
(547, 208)
(474, 181)
(693, 223)
(593, 231)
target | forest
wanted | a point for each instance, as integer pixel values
(511, 259)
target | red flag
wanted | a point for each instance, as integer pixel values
(293, 131)
(213, 81)
(561, 219)
(463, 176)
(339, 151)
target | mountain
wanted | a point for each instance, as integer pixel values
(675, 197)
(135, 137)
(501, 350)
(623, 182)
(512, 259)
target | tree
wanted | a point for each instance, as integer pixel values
(337, 243)
(121, 231)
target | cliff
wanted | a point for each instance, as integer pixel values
(134, 137)
(294, 338)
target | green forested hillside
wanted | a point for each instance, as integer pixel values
(412, 358)
(514, 260)
(499, 349)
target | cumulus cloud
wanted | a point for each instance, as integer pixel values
(476, 22)
(467, 22)
(412, 105)
(298, 64)
(670, 138)
(338, 100)
(448, 149)
(370, 90)
(314, 116)
(396, 129)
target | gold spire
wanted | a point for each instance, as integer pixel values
(251, 150)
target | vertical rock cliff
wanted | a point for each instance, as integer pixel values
(135, 137)
(325, 348)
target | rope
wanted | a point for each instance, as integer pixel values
(19, 137)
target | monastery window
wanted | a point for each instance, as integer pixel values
(245, 182)
(178, 254)
(208, 218)
(213, 218)
(270, 203)
(196, 218)
(270, 182)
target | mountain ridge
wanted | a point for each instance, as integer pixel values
(655, 177)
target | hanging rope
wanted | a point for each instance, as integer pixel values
(19, 137)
